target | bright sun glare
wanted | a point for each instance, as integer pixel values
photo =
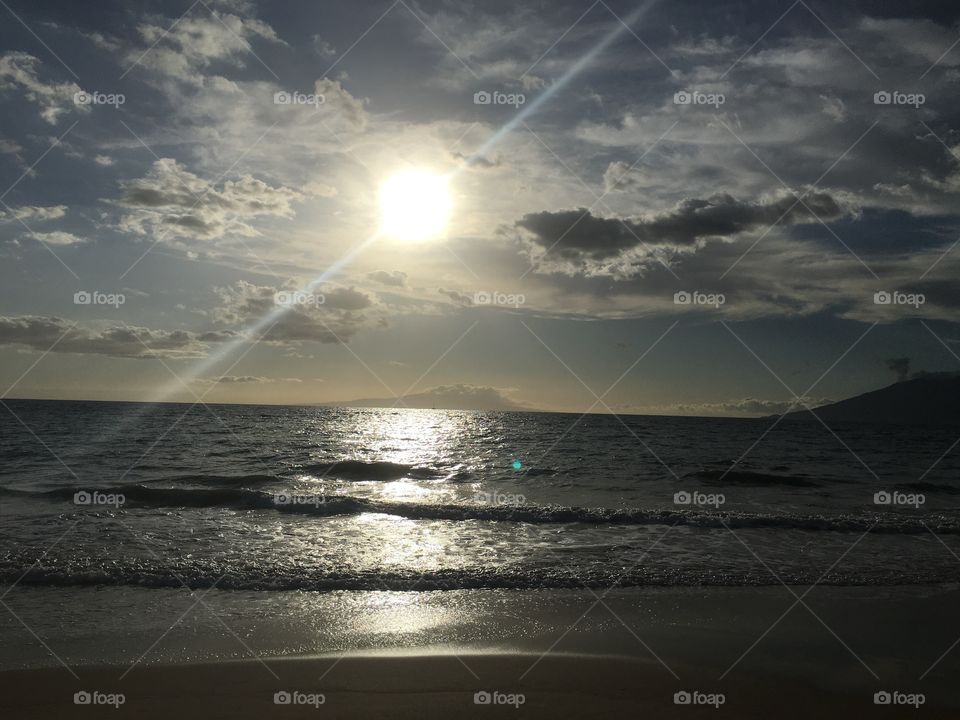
(415, 205)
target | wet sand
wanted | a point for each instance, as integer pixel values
(422, 686)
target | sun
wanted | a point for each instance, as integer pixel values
(415, 205)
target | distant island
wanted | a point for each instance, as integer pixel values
(932, 398)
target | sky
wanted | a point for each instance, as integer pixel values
(707, 208)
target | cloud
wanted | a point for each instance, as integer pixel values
(345, 105)
(170, 201)
(57, 237)
(335, 314)
(476, 161)
(9, 147)
(457, 297)
(19, 70)
(248, 379)
(580, 236)
(346, 298)
(901, 366)
(619, 177)
(33, 212)
(102, 41)
(319, 189)
(450, 397)
(747, 406)
(393, 278)
(182, 49)
(54, 334)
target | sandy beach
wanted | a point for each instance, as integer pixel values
(531, 653)
(420, 686)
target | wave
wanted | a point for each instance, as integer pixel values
(333, 505)
(369, 470)
(247, 577)
(219, 480)
(750, 478)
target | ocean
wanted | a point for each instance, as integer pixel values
(255, 498)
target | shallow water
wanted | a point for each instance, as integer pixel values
(285, 498)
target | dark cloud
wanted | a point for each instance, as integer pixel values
(394, 278)
(476, 161)
(901, 366)
(750, 407)
(346, 298)
(578, 234)
(55, 334)
(456, 297)
(327, 315)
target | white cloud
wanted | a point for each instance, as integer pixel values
(57, 237)
(172, 202)
(195, 42)
(18, 70)
(33, 212)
